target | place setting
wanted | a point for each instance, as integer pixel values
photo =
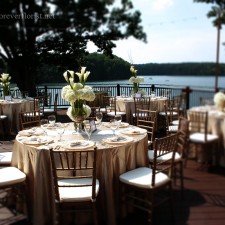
(78, 144)
(37, 140)
(132, 131)
(118, 140)
(30, 132)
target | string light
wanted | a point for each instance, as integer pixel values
(173, 21)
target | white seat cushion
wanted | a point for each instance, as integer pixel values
(5, 157)
(200, 137)
(71, 194)
(142, 177)
(118, 113)
(168, 113)
(165, 157)
(11, 175)
(2, 117)
(175, 122)
(173, 128)
(103, 110)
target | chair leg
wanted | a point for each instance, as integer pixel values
(95, 217)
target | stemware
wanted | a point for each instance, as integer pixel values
(118, 118)
(88, 130)
(113, 125)
(43, 123)
(99, 117)
(60, 131)
(51, 120)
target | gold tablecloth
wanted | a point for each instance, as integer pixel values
(11, 109)
(127, 105)
(112, 160)
(216, 125)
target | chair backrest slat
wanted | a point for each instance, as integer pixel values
(74, 164)
(163, 146)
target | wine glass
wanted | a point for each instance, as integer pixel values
(99, 117)
(51, 120)
(44, 123)
(118, 118)
(60, 130)
(113, 125)
(88, 130)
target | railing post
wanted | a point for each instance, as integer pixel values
(118, 89)
(46, 94)
(187, 92)
(152, 87)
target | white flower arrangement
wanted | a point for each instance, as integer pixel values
(70, 113)
(219, 99)
(135, 79)
(77, 93)
(5, 82)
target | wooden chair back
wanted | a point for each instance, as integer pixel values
(73, 164)
(110, 103)
(198, 122)
(163, 146)
(75, 184)
(183, 134)
(146, 119)
(29, 119)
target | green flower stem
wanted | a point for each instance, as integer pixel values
(78, 109)
(136, 86)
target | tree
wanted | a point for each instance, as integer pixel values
(60, 28)
(215, 10)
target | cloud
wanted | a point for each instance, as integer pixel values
(162, 4)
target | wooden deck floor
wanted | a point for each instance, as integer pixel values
(203, 202)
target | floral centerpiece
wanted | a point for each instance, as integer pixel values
(5, 82)
(136, 80)
(219, 100)
(77, 94)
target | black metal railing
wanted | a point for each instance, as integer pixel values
(193, 95)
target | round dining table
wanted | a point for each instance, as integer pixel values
(12, 109)
(215, 125)
(116, 154)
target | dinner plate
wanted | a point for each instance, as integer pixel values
(122, 125)
(31, 132)
(55, 126)
(118, 140)
(136, 131)
(39, 140)
(78, 144)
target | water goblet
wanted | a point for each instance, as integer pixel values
(43, 124)
(88, 130)
(118, 118)
(99, 117)
(60, 131)
(51, 120)
(113, 125)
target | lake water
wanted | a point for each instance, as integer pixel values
(192, 81)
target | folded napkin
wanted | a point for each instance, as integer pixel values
(117, 139)
(78, 143)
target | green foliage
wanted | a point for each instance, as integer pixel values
(102, 68)
(56, 32)
(216, 12)
(195, 69)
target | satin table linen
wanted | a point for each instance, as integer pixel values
(216, 125)
(112, 160)
(11, 109)
(126, 104)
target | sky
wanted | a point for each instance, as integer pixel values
(177, 31)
